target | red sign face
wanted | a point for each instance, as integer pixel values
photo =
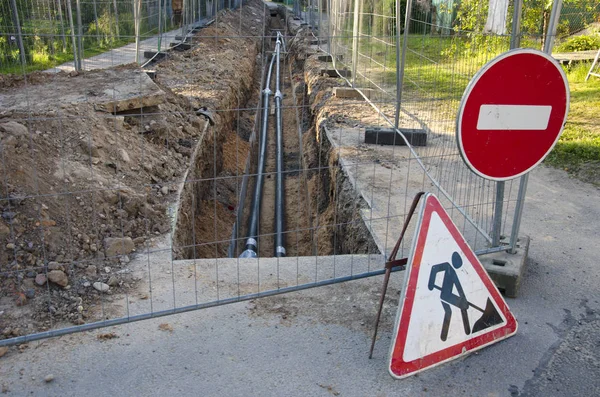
(512, 113)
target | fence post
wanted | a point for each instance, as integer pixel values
(117, 19)
(329, 38)
(515, 42)
(76, 62)
(17, 23)
(548, 44)
(136, 17)
(62, 25)
(79, 35)
(355, 41)
(400, 67)
(96, 21)
(160, 27)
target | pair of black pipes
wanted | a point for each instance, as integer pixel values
(251, 248)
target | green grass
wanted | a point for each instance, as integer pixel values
(42, 60)
(579, 145)
(439, 68)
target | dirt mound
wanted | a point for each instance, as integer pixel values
(83, 188)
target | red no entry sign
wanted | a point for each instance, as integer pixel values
(512, 113)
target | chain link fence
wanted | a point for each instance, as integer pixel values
(129, 193)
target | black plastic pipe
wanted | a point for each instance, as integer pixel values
(251, 248)
(279, 188)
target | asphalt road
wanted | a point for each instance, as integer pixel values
(315, 343)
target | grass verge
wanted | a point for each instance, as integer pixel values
(578, 149)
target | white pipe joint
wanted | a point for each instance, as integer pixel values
(278, 94)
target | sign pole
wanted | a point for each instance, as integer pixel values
(515, 42)
(548, 44)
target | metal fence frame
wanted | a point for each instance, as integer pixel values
(342, 27)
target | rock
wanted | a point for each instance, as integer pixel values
(30, 293)
(14, 128)
(58, 277)
(107, 269)
(48, 378)
(93, 247)
(124, 155)
(164, 190)
(3, 350)
(86, 284)
(118, 246)
(40, 279)
(101, 287)
(10, 246)
(31, 274)
(91, 271)
(4, 231)
(113, 281)
(55, 266)
(21, 299)
(124, 259)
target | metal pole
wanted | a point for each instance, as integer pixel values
(17, 23)
(548, 44)
(515, 35)
(329, 38)
(515, 42)
(79, 35)
(498, 207)
(251, 249)
(552, 26)
(136, 17)
(319, 14)
(400, 67)
(279, 188)
(96, 21)
(160, 27)
(355, 41)
(76, 62)
(62, 25)
(117, 18)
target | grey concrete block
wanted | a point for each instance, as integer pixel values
(506, 270)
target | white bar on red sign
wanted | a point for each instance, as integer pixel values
(513, 117)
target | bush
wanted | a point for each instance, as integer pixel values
(580, 43)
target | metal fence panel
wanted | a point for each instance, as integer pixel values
(125, 198)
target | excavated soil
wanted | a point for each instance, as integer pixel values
(83, 188)
(88, 181)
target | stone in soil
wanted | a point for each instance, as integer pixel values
(40, 279)
(118, 246)
(58, 277)
(101, 286)
(48, 378)
(91, 271)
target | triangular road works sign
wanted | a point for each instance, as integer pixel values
(449, 306)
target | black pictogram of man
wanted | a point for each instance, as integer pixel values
(447, 295)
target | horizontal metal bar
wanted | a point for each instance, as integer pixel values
(162, 313)
(241, 298)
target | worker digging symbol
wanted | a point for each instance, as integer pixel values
(450, 282)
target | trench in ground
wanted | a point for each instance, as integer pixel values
(322, 208)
